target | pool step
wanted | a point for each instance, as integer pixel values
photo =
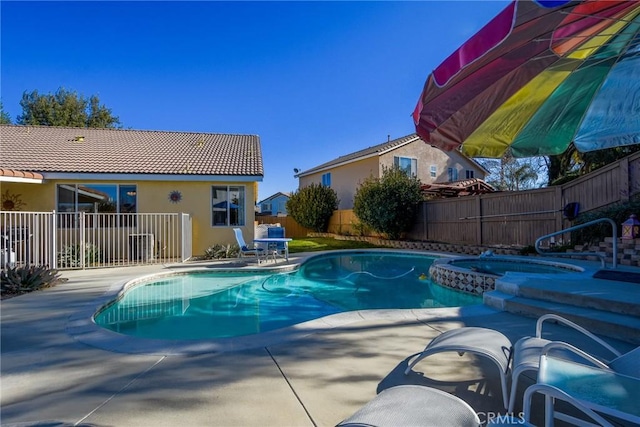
(605, 295)
(619, 326)
(602, 306)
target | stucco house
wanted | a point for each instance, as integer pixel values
(430, 165)
(276, 204)
(211, 178)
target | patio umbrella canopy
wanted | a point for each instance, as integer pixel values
(540, 75)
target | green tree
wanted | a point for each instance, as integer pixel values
(65, 108)
(509, 173)
(571, 164)
(312, 206)
(5, 119)
(388, 204)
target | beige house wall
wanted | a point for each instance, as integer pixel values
(153, 197)
(346, 179)
(428, 156)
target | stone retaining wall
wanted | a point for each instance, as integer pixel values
(628, 250)
(424, 246)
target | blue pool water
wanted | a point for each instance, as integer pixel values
(228, 304)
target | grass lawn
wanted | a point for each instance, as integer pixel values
(314, 244)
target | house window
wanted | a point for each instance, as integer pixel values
(469, 174)
(410, 166)
(266, 207)
(227, 206)
(452, 174)
(433, 171)
(97, 198)
(326, 179)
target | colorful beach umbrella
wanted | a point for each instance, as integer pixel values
(539, 76)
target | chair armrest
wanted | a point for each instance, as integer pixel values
(566, 346)
(575, 326)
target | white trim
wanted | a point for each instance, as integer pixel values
(19, 179)
(150, 177)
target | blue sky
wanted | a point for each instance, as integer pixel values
(315, 80)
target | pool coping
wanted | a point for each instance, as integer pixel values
(82, 328)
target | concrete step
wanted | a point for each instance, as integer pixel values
(614, 325)
(604, 295)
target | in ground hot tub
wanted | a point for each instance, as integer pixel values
(477, 275)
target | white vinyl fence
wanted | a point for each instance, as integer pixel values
(79, 240)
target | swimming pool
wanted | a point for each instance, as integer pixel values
(205, 305)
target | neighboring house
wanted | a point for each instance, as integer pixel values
(275, 204)
(212, 177)
(410, 153)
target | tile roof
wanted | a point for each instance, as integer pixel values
(376, 149)
(89, 150)
(12, 173)
(465, 187)
(273, 196)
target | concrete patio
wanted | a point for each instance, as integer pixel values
(314, 375)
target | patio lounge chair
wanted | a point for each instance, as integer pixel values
(552, 395)
(414, 405)
(483, 342)
(527, 351)
(246, 250)
(525, 355)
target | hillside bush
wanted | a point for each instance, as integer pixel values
(596, 233)
(312, 206)
(388, 204)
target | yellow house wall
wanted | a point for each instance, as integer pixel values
(346, 179)
(153, 197)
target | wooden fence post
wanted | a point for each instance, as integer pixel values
(478, 221)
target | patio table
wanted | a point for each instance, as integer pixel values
(275, 240)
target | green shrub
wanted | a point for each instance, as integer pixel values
(219, 251)
(70, 256)
(20, 280)
(360, 229)
(388, 204)
(312, 206)
(596, 233)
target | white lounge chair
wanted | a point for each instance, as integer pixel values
(527, 352)
(414, 405)
(484, 342)
(245, 250)
(552, 395)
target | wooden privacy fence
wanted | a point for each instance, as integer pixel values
(515, 218)
(291, 227)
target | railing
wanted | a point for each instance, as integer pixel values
(79, 240)
(577, 227)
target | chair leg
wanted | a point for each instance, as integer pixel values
(515, 377)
